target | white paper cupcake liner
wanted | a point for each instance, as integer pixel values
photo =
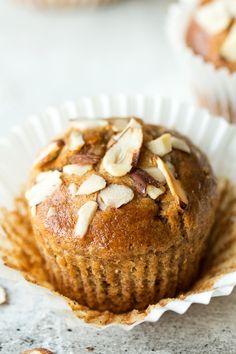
(66, 3)
(214, 88)
(17, 152)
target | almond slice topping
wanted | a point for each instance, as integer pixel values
(160, 146)
(228, 49)
(156, 173)
(180, 144)
(213, 17)
(3, 296)
(173, 184)
(154, 192)
(43, 189)
(124, 154)
(88, 123)
(77, 170)
(49, 153)
(93, 184)
(142, 179)
(85, 159)
(73, 189)
(76, 141)
(51, 212)
(114, 196)
(119, 124)
(86, 214)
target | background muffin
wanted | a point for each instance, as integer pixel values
(121, 212)
(67, 3)
(208, 40)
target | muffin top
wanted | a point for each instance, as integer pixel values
(114, 187)
(212, 32)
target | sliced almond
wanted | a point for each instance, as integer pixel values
(156, 173)
(173, 184)
(123, 155)
(88, 124)
(42, 190)
(228, 49)
(37, 351)
(213, 17)
(114, 196)
(160, 146)
(154, 192)
(3, 296)
(77, 170)
(85, 216)
(93, 184)
(73, 189)
(142, 179)
(51, 212)
(76, 141)
(85, 159)
(180, 144)
(119, 124)
(49, 153)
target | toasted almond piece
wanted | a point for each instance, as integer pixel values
(49, 153)
(73, 189)
(51, 212)
(3, 295)
(114, 196)
(142, 179)
(93, 184)
(124, 154)
(213, 17)
(37, 351)
(76, 141)
(119, 124)
(154, 192)
(85, 159)
(180, 144)
(173, 184)
(85, 215)
(42, 175)
(156, 173)
(88, 123)
(228, 49)
(43, 189)
(77, 170)
(160, 146)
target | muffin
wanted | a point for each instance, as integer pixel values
(212, 33)
(67, 3)
(208, 49)
(121, 212)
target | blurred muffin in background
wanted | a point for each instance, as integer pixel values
(206, 35)
(66, 3)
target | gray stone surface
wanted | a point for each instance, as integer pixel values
(203, 329)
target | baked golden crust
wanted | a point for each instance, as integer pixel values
(139, 245)
(209, 45)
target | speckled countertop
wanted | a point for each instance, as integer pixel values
(203, 329)
(47, 57)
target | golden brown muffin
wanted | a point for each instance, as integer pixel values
(121, 212)
(212, 32)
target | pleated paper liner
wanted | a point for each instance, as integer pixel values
(215, 136)
(213, 88)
